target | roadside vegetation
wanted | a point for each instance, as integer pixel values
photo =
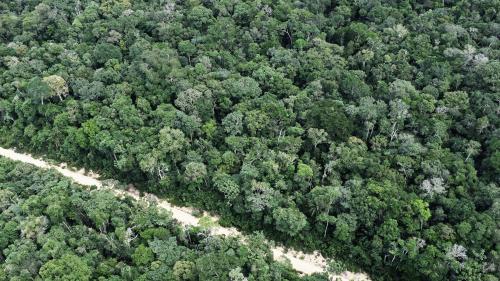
(52, 229)
(364, 129)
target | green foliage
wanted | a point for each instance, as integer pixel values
(68, 268)
(357, 114)
(142, 255)
(328, 115)
(184, 270)
(104, 52)
(101, 237)
(289, 220)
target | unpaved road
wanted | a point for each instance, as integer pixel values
(304, 263)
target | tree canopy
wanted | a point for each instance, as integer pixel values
(364, 129)
(52, 229)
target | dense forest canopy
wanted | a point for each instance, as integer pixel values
(51, 229)
(365, 129)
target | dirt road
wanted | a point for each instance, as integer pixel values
(302, 262)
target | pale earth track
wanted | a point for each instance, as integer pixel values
(301, 262)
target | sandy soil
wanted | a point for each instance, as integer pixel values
(304, 263)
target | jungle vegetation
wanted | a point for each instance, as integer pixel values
(365, 129)
(52, 229)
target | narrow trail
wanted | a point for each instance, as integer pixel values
(301, 262)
